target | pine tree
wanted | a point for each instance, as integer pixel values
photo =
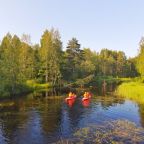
(74, 57)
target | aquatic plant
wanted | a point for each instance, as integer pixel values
(112, 132)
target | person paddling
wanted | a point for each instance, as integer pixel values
(87, 95)
(72, 95)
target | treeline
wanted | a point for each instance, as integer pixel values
(47, 62)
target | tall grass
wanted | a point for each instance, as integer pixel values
(132, 90)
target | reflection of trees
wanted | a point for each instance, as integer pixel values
(107, 101)
(48, 108)
(103, 88)
(12, 117)
(50, 114)
(28, 114)
(141, 113)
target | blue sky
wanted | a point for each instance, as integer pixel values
(97, 24)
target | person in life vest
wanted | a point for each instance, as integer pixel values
(70, 95)
(87, 95)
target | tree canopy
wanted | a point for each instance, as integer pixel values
(47, 62)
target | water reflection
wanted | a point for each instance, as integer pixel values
(36, 119)
(11, 119)
(50, 115)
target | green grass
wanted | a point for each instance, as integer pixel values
(132, 90)
(125, 79)
(36, 86)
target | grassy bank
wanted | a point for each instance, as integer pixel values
(132, 90)
(29, 86)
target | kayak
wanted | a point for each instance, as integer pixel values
(70, 98)
(88, 98)
(86, 103)
(70, 102)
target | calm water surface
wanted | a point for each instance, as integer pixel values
(41, 121)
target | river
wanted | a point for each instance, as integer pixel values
(40, 120)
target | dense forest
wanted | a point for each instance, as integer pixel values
(47, 63)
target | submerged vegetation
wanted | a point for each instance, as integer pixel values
(25, 67)
(118, 131)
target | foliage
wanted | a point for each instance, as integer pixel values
(48, 65)
(10, 67)
(74, 57)
(50, 56)
(84, 81)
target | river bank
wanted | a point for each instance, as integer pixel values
(65, 86)
(95, 84)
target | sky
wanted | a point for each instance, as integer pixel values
(97, 24)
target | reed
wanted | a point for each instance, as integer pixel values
(131, 90)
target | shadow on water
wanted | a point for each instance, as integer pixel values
(43, 117)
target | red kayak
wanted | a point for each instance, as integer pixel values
(70, 100)
(86, 103)
(86, 98)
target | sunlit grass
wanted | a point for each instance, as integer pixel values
(125, 79)
(6, 104)
(35, 85)
(132, 90)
